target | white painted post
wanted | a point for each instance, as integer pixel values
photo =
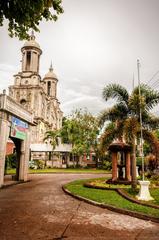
(144, 193)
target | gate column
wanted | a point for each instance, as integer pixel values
(4, 134)
(24, 158)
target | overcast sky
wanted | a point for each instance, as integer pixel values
(94, 43)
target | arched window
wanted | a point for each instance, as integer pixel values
(28, 61)
(49, 88)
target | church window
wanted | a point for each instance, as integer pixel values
(28, 62)
(49, 88)
(23, 102)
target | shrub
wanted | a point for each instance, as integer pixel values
(11, 161)
(106, 165)
(40, 164)
(32, 164)
(150, 161)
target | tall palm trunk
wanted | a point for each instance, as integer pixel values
(133, 162)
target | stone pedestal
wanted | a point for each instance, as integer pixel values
(144, 193)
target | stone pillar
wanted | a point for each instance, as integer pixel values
(34, 61)
(84, 157)
(127, 167)
(24, 158)
(114, 166)
(4, 134)
(24, 60)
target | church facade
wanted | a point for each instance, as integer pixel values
(37, 94)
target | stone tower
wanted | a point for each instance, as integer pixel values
(36, 94)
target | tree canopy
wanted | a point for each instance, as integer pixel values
(81, 130)
(23, 15)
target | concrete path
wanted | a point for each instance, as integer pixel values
(41, 210)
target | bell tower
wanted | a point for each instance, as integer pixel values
(31, 55)
(27, 82)
(50, 80)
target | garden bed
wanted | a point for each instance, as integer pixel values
(126, 191)
(111, 199)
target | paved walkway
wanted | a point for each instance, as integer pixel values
(41, 210)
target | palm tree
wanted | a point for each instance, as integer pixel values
(53, 138)
(124, 117)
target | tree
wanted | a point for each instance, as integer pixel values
(23, 15)
(124, 117)
(80, 130)
(69, 133)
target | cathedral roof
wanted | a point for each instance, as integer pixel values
(50, 74)
(31, 42)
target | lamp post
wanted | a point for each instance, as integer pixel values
(144, 193)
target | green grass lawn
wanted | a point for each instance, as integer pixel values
(109, 197)
(57, 170)
(100, 182)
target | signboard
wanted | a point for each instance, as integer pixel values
(18, 128)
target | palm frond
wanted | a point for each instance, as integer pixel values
(131, 127)
(117, 92)
(111, 132)
(117, 112)
(108, 136)
(151, 97)
(151, 122)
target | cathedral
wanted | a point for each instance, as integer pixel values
(37, 94)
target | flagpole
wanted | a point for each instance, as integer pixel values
(141, 130)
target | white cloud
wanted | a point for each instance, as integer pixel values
(92, 49)
(6, 75)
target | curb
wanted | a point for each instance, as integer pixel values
(112, 208)
(66, 173)
(13, 184)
